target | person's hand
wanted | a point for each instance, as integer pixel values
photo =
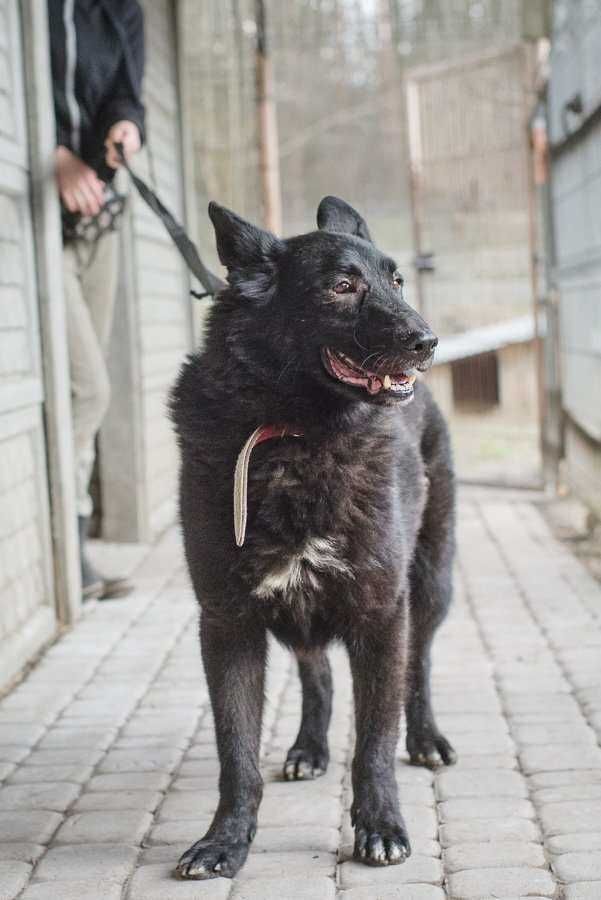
(125, 133)
(80, 188)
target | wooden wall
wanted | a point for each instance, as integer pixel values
(27, 616)
(152, 329)
(576, 188)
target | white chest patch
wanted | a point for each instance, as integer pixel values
(303, 568)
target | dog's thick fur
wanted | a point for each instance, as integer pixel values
(350, 527)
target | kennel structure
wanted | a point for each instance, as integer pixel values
(492, 367)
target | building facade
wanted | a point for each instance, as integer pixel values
(39, 581)
(574, 111)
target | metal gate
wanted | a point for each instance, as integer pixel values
(473, 237)
(27, 614)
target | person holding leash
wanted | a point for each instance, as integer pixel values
(97, 54)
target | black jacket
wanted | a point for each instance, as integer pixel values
(97, 52)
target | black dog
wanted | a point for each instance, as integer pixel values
(337, 525)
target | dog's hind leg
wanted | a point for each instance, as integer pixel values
(425, 744)
(234, 657)
(309, 755)
(431, 579)
(377, 659)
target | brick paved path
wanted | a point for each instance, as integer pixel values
(108, 769)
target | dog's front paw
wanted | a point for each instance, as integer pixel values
(212, 858)
(381, 846)
(430, 749)
(303, 763)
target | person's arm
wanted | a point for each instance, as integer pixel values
(124, 109)
(79, 187)
(58, 57)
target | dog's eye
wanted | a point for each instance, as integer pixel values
(344, 287)
(398, 281)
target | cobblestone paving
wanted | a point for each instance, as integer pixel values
(108, 766)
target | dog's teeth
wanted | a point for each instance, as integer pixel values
(387, 383)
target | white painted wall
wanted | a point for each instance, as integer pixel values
(27, 616)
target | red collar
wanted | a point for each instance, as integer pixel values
(259, 435)
(266, 432)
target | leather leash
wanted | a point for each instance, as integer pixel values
(211, 283)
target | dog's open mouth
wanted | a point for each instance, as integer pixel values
(347, 370)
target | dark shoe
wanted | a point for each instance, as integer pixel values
(92, 591)
(114, 588)
(93, 584)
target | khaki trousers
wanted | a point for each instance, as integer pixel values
(90, 283)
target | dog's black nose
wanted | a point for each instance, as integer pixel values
(420, 341)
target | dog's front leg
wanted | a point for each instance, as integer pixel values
(377, 662)
(234, 660)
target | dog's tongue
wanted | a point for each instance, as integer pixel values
(374, 385)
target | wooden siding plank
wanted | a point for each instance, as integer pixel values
(26, 592)
(15, 394)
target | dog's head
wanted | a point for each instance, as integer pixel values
(327, 305)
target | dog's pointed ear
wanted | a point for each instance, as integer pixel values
(242, 246)
(335, 215)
